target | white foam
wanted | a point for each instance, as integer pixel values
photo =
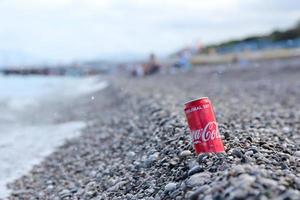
(19, 92)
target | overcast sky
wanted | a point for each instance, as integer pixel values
(66, 30)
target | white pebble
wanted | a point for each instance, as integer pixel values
(170, 186)
(185, 153)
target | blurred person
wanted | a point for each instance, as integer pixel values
(137, 70)
(149, 68)
(183, 62)
(152, 66)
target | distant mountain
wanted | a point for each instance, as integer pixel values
(276, 36)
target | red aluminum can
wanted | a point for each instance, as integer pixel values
(203, 125)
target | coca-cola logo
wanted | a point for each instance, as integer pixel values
(209, 132)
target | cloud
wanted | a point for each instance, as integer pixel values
(86, 29)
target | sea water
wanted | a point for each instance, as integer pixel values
(28, 135)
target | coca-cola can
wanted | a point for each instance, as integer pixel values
(203, 126)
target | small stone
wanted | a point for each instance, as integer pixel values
(65, 193)
(249, 153)
(286, 129)
(213, 169)
(297, 154)
(90, 193)
(41, 194)
(194, 170)
(151, 159)
(244, 159)
(192, 164)
(198, 179)
(253, 149)
(202, 158)
(238, 194)
(284, 166)
(131, 154)
(49, 182)
(93, 173)
(237, 153)
(175, 193)
(150, 190)
(154, 157)
(129, 196)
(226, 134)
(243, 180)
(91, 185)
(50, 188)
(185, 153)
(268, 182)
(173, 162)
(238, 169)
(73, 189)
(208, 197)
(116, 186)
(170, 187)
(195, 195)
(290, 194)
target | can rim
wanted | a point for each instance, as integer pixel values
(195, 100)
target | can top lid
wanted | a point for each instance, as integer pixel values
(200, 98)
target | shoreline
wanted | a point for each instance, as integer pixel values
(35, 122)
(137, 145)
(19, 159)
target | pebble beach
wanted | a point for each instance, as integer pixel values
(136, 144)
